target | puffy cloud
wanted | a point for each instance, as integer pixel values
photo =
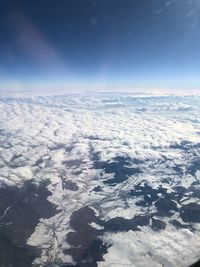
(89, 140)
(167, 248)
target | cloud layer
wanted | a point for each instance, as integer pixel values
(133, 160)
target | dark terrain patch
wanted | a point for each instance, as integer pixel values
(77, 172)
(69, 185)
(194, 167)
(120, 166)
(192, 150)
(86, 248)
(166, 204)
(15, 254)
(178, 225)
(149, 194)
(120, 224)
(73, 163)
(190, 213)
(183, 145)
(158, 224)
(25, 206)
(97, 189)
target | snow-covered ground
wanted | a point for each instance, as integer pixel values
(130, 163)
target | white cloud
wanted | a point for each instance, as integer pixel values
(46, 133)
(169, 248)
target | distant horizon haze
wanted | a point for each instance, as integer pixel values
(97, 44)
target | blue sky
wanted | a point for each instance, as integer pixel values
(105, 43)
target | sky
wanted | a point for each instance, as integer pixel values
(138, 44)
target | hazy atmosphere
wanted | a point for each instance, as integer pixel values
(133, 44)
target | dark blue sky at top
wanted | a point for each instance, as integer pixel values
(139, 43)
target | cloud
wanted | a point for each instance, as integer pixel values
(167, 248)
(79, 138)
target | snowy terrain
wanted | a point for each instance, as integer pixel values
(100, 180)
